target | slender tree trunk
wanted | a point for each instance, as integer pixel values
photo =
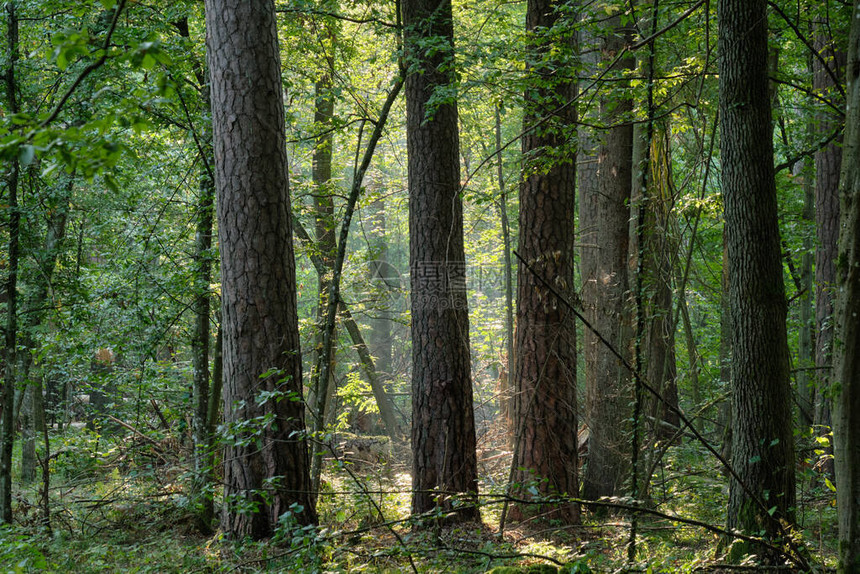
(201, 340)
(846, 399)
(604, 222)
(763, 444)
(31, 425)
(266, 467)
(323, 390)
(506, 406)
(806, 340)
(385, 280)
(383, 400)
(444, 460)
(545, 372)
(203, 436)
(724, 426)
(660, 253)
(7, 430)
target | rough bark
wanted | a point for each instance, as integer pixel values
(604, 224)
(443, 428)
(846, 396)
(266, 468)
(545, 367)
(763, 444)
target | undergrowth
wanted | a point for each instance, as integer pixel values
(119, 504)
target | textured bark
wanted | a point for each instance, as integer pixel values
(266, 461)
(828, 162)
(604, 223)
(443, 426)
(545, 366)
(846, 397)
(763, 445)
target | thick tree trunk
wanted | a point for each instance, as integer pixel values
(545, 367)
(266, 468)
(444, 461)
(763, 444)
(846, 399)
(605, 223)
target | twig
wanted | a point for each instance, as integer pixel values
(86, 71)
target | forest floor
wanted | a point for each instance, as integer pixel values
(118, 504)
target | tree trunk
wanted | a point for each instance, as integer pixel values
(201, 339)
(763, 444)
(660, 253)
(444, 460)
(846, 399)
(385, 280)
(505, 387)
(7, 430)
(828, 162)
(266, 468)
(545, 367)
(322, 390)
(371, 371)
(31, 425)
(605, 227)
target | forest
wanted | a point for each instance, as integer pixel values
(430, 286)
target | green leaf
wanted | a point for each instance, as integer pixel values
(829, 484)
(108, 4)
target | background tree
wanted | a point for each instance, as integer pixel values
(763, 445)
(443, 427)
(604, 222)
(266, 462)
